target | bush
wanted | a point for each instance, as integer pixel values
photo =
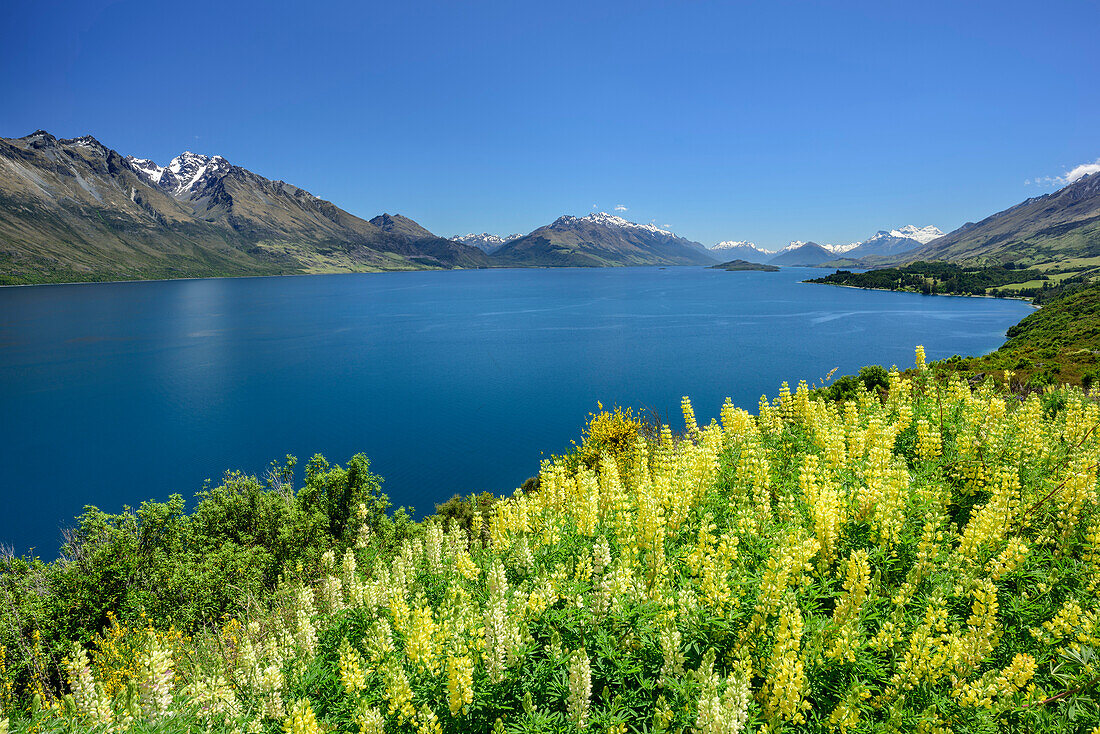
(612, 433)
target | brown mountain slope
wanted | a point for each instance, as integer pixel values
(73, 209)
(1055, 228)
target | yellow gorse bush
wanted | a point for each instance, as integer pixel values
(926, 559)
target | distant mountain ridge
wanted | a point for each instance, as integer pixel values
(799, 253)
(802, 254)
(894, 241)
(599, 240)
(741, 250)
(74, 209)
(487, 243)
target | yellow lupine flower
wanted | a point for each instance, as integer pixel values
(352, 675)
(786, 681)
(460, 683)
(301, 719)
(580, 688)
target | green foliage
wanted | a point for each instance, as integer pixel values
(462, 510)
(1059, 343)
(184, 570)
(872, 378)
(936, 277)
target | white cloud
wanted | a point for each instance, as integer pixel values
(1082, 170)
(620, 208)
(1068, 178)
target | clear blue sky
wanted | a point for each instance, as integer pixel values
(768, 121)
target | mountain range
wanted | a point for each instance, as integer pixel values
(741, 250)
(798, 253)
(487, 243)
(894, 241)
(73, 209)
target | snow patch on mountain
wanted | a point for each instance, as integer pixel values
(795, 244)
(146, 168)
(923, 235)
(469, 239)
(485, 242)
(183, 174)
(838, 249)
(608, 220)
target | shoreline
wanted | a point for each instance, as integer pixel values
(346, 272)
(951, 295)
(223, 277)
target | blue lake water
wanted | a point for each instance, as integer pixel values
(449, 381)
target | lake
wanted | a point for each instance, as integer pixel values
(456, 381)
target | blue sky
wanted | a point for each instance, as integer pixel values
(767, 121)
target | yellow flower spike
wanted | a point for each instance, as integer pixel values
(352, 675)
(301, 719)
(460, 683)
(580, 688)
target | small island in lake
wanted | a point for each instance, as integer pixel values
(744, 265)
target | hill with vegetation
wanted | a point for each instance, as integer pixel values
(734, 265)
(1060, 227)
(920, 556)
(75, 210)
(1059, 343)
(943, 278)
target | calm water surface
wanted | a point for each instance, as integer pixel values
(449, 381)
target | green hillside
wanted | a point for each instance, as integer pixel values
(1059, 343)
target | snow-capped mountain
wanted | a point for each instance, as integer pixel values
(894, 241)
(485, 242)
(741, 250)
(794, 245)
(800, 253)
(736, 245)
(601, 239)
(838, 249)
(185, 173)
(608, 220)
(923, 235)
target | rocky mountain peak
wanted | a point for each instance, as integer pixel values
(87, 142)
(185, 173)
(400, 225)
(604, 219)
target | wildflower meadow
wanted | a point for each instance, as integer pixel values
(920, 558)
